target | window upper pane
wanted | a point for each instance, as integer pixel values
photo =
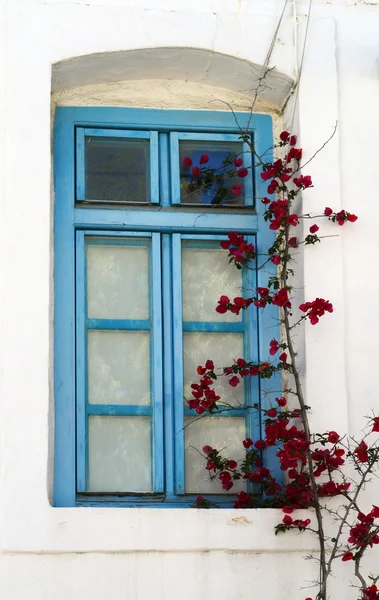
(197, 189)
(117, 169)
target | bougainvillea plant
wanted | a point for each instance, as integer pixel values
(314, 464)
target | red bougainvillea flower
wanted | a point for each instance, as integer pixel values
(287, 520)
(347, 556)
(281, 401)
(223, 305)
(281, 298)
(209, 365)
(370, 593)
(272, 412)
(361, 452)
(204, 158)
(247, 443)
(333, 437)
(196, 171)
(283, 357)
(238, 162)
(232, 464)
(275, 260)
(265, 201)
(272, 187)
(237, 189)
(242, 172)
(201, 370)
(304, 181)
(234, 381)
(295, 153)
(207, 450)
(260, 445)
(375, 426)
(284, 136)
(314, 228)
(292, 242)
(292, 220)
(274, 347)
(187, 161)
(328, 211)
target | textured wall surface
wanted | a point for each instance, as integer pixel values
(198, 55)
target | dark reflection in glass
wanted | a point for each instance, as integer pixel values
(203, 189)
(117, 169)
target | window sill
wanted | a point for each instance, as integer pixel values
(111, 530)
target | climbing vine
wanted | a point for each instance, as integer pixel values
(316, 465)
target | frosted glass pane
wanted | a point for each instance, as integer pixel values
(192, 189)
(117, 281)
(117, 169)
(223, 349)
(118, 367)
(218, 432)
(206, 276)
(119, 454)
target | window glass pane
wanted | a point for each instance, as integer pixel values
(118, 281)
(118, 367)
(119, 454)
(223, 349)
(224, 433)
(206, 276)
(117, 169)
(196, 189)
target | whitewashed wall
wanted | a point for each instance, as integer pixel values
(89, 554)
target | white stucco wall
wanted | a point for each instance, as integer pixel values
(88, 553)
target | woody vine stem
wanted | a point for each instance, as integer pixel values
(315, 464)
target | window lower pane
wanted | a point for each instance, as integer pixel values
(119, 454)
(223, 433)
(207, 275)
(119, 367)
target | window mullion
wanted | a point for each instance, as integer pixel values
(178, 364)
(156, 365)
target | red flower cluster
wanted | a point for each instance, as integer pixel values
(370, 593)
(375, 426)
(361, 452)
(364, 533)
(316, 309)
(224, 304)
(286, 137)
(297, 523)
(340, 217)
(327, 460)
(281, 298)
(330, 488)
(237, 189)
(204, 396)
(303, 182)
(238, 248)
(274, 347)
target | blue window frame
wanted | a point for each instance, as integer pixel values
(120, 292)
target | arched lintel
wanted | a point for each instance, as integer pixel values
(190, 65)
